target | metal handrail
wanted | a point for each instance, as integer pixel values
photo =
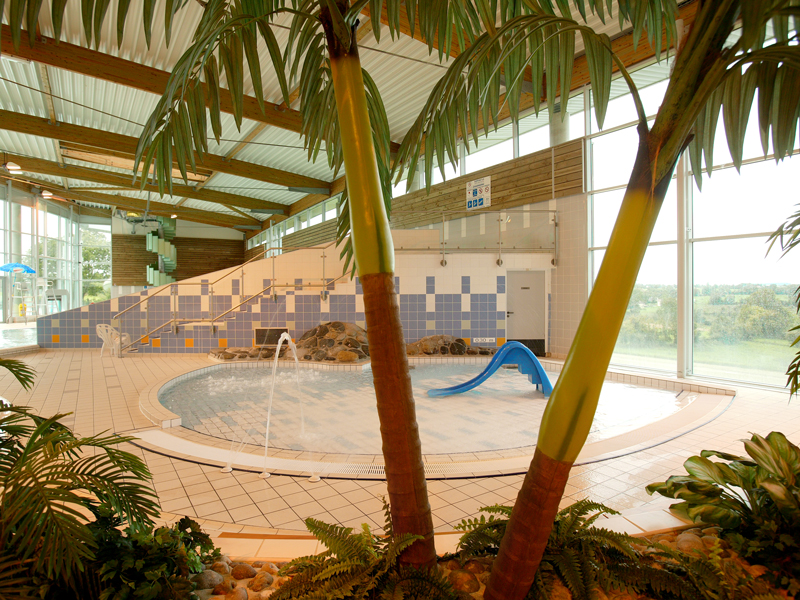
(145, 335)
(262, 254)
(167, 287)
(212, 320)
(286, 285)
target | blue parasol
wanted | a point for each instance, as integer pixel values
(16, 268)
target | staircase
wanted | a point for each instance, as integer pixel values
(159, 242)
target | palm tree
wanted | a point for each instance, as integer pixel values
(341, 107)
(733, 49)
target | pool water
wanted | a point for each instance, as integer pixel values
(339, 414)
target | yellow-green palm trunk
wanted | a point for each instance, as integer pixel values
(571, 408)
(372, 239)
(569, 414)
(374, 257)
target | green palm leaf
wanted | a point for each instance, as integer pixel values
(48, 481)
(22, 372)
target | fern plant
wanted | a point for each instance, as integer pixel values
(584, 557)
(709, 577)
(360, 565)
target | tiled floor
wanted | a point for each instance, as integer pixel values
(103, 395)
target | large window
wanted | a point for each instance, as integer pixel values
(492, 149)
(43, 235)
(737, 298)
(742, 301)
(95, 263)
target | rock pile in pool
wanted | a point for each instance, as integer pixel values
(338, 342)
(445, 345)
(334, 342)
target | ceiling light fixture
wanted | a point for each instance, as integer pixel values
(47, 194)
(173, 216)
(13, 168)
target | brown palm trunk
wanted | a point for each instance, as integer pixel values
(528, 529)
(374, 254)
(402, 451)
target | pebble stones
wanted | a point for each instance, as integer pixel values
(246, 354)
(243, 571)
(256, 580)
(207, 580)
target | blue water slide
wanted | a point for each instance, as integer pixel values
(510, 353)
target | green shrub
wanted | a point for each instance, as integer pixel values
(709, 577)
(754, 498)
(52, 483)
(149, 564)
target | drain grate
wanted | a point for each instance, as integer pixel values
(432, 470)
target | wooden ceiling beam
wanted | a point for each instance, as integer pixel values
(125, 202)
(104, 140)
(125, 72)
(46, 167)
(99, 157)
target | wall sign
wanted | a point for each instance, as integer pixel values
(483, 340)
(479, 193)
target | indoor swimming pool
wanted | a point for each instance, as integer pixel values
(333, 411)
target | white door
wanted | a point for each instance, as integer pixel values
(525, 306)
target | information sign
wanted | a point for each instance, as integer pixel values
(479, 193)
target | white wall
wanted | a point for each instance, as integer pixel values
(570, 283)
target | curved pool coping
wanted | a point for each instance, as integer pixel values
(170, 439)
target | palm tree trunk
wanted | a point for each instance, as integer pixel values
(570, 411)
(374, 255)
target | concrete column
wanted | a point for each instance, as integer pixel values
(559, 130)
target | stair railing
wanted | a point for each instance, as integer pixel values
(172, 289)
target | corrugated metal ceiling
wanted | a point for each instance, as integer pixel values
(403, 70)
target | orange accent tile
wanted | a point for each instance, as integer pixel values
(146, 339)
(223, 342)
(500, 341)
(56, 337)
(156, 343)
(189, 342)
(84, 338)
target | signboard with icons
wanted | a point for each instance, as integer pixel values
(479, 193)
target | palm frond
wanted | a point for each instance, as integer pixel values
(48, 480)
(226, 38)
(468, 98)
(22, 372)
(753, 63)
(15, 580)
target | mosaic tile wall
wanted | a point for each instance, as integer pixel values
(467, 306)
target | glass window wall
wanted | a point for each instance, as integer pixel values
(739, 298)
